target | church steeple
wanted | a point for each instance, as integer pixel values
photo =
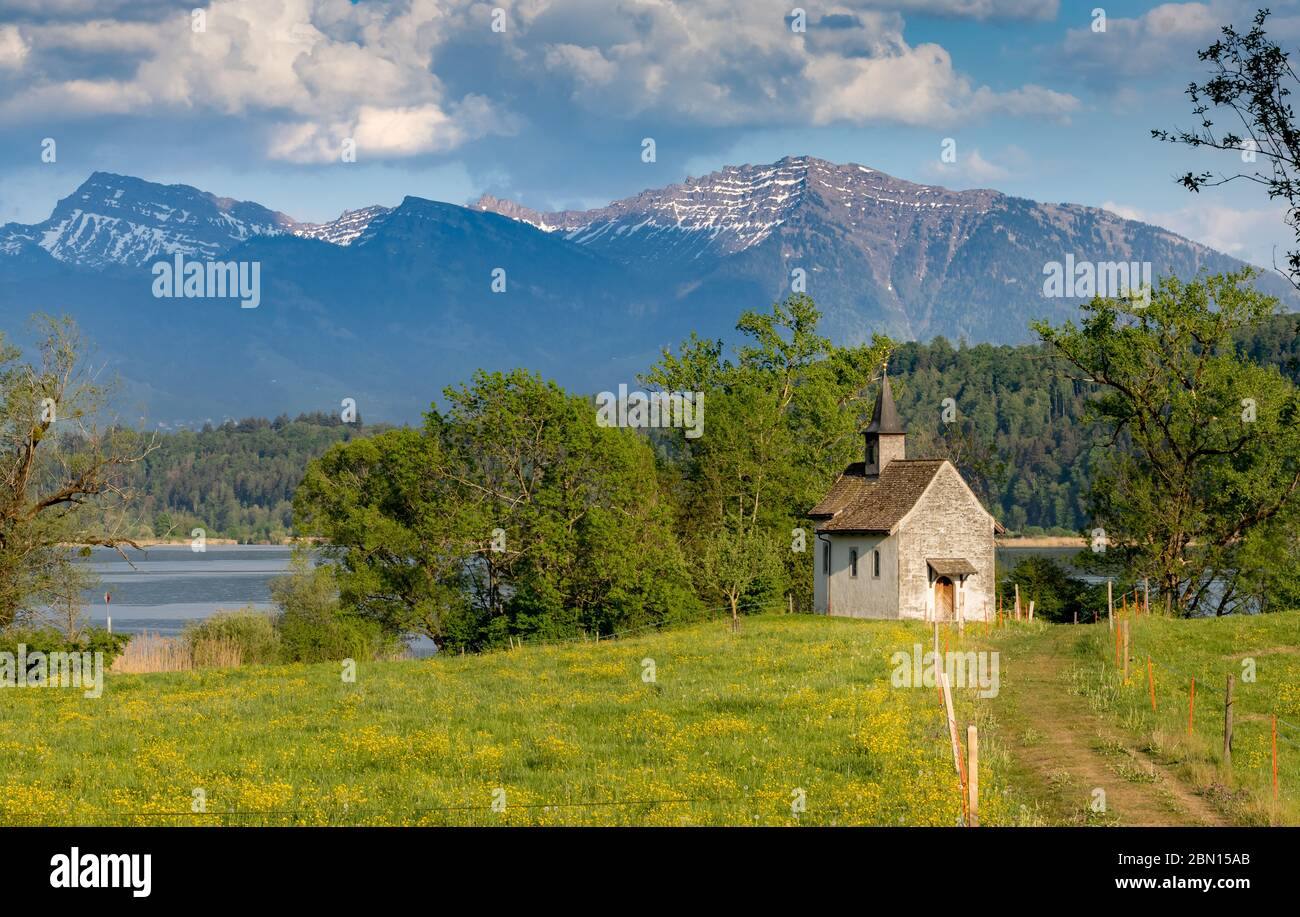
(886, 440)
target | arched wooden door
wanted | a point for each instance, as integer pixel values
(944, 598)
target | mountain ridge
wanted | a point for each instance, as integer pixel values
(392, 303)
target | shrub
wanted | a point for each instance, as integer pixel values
(1057, 594)
(247, 636)
(49, 640)
(313, 627)
(307, 636)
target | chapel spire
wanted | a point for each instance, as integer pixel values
(886, 440)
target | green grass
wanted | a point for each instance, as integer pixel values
(1208, 650)
(729, 729)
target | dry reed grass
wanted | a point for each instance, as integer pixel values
(148, 652)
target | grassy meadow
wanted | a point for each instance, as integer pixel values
(1208, 650)
(726, 732)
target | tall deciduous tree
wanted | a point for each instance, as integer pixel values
(512, 512)
(783, 419)
(1203, 447)
(61, 470)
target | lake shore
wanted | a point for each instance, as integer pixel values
(1043, 541)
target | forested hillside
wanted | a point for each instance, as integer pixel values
(1018, 430)
(235, 480)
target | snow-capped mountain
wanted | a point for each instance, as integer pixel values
(124, 221)
(736, 207)
(345, 229)
(389, 305)
(877, 252)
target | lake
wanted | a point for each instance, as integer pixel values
(164, 587)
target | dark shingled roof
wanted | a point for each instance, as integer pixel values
(857, 503)
(884, 419)
(951, 566)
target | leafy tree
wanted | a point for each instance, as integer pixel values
(734, 563)
(65, 585)
(782, 421)
(1253, 79)
(1057, 595)
(512, 513)
(61, 473)
(380, 504)
(1203, 446)
(312, 624)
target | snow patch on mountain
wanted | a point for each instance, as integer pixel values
(120, 220)
(345, 229)
(738, 207)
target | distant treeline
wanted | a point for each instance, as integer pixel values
(1015, 425)
(235, 480)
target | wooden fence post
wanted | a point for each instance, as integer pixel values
(958, 764)
(1110, 605)
(1125, 625)
(1017, 601)
(1227, 724)
(1031, 609)
(1274, 756)
(973, 774)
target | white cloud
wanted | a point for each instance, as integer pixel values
(13, 49)
(97, 36)
(313, 72)
(1164, 37)
(1043, 10)
(1259, 237)
(737, 62)
(973, 169)
(588, 65)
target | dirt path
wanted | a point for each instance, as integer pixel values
(1064, 752)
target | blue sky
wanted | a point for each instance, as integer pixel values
(256, 100)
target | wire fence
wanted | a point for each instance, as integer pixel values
(1126, 647)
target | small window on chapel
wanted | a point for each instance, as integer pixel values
(853, 562)
(875, 564)
(826, 558)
